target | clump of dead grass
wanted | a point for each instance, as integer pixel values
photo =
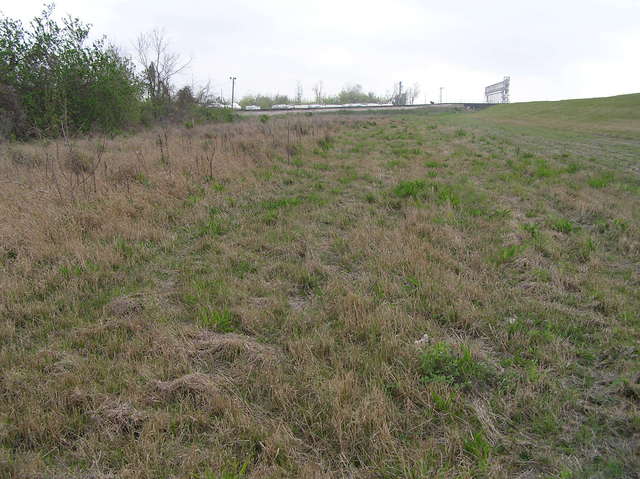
(117, 417)
(203, 390)
(229, 347)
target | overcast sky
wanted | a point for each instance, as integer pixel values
(551, 49)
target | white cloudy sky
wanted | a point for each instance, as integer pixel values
(551, 49)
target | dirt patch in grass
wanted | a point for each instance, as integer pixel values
(124, 306)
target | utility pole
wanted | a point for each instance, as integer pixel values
(441, 88)
(233, 89)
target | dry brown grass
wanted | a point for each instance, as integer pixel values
(244, 301)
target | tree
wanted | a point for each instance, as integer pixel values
(399, 96)
(203, 95)
(185, 98)
(299, 92)
(112, 91)
(11, 114)
(353, 94)
(159, 65)
(412, 93)
(52, 78)
(318, 92)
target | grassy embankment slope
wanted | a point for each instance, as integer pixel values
(244, 300)
(617, 114)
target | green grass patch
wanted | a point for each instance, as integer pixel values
(441, 363)
(434, 164)
(563, 225)
(326, 143)
(211, 227)
(508, 253)
(391, 164)
(411, 189)
(282, 203)
(222, 321)
(600, 181)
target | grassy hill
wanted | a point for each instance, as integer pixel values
(397, 296)
(612, 114)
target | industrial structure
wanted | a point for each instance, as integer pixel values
(498, 92)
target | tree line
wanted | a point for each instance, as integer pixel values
(54, 81)
(348, 94)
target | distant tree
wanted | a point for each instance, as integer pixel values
(349, 94)
(299, 92)
(184, 97)
(159, 66)
(353, 94)
(263, 101)
(399, 96)
(203, 95)
(412, 93)
(318, 92)
(281, 99)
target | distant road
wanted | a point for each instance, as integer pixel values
(437, 106)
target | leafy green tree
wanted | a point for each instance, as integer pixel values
(352, 94)
(265, 101)
(63, 83)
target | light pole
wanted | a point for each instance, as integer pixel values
(233, 88)
(441, 88)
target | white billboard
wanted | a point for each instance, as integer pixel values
(498, 92)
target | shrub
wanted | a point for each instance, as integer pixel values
(78, 162)
(50, 77)
(214, 115)
(22, 158)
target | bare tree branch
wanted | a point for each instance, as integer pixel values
(159, 64)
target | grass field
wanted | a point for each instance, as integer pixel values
(368, 296)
